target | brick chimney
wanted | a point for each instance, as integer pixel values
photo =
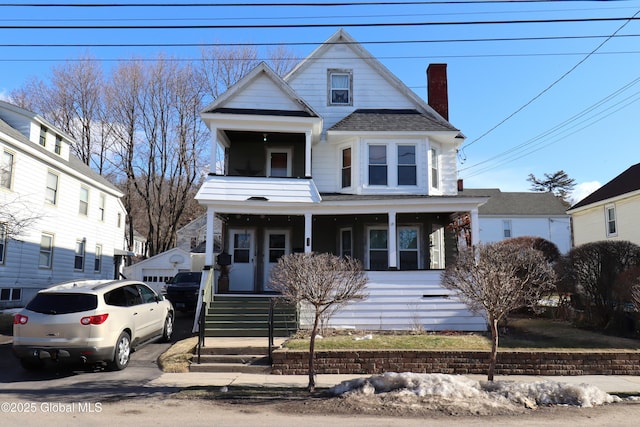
(437, 92)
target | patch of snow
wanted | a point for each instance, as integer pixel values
(493, 393)
(366, 337)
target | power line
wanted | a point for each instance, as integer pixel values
(308, 25)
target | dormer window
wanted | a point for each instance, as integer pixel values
(340, 84)
(43, 136)
(58, 146)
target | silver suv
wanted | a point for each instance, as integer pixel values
(90, 321)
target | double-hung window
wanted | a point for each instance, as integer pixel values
(97, 263)
(58, 145)
(610, 217)
(506, 229)
(102, 207)
(340, 87)
(78, 263)
(3, 241)
(435, 182)
(51, 192)
(377, 165)
(407, 173)
(6, 170)
(43, 136)
(83, 209)
(346, 167)
(46, 251)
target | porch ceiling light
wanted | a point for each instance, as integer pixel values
(264, 137)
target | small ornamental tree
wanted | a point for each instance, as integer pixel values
(324, 281)
(496, 279)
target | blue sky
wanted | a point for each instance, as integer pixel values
(566, 100)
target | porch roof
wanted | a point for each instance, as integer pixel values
(386, 120)
(259, 189)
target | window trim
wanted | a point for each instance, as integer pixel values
(10, 169)
(83, 203)
(608, 221)
(339, 71)
(275, 150)
(54, 190)
(48, 251)
(341, 242)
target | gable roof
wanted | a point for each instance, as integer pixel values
(261, 70)
(627, 182)
(389, 120)
(517, 203)
(342, 37)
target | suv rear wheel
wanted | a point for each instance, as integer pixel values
(122, 353)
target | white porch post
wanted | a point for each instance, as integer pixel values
(307, 154)
(213, 168)
(307, 232)
(393, 243)
(209, 245)
(475, 227)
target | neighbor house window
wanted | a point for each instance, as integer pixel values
(434, 168)
(58, 147)
(377, 165)
(97, 263)
(612, 228)
(378, 249)
(51, 192)
(340, 87)
(10, 294)
(46, 251)
(119, 220)
(102, 207)
(346, 167)
(43, 136)
(78, 263)
(407, 165)
(506, 229)
(6, 170)
(83, 209)
(3, 242)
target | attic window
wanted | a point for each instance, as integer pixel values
(340, 87)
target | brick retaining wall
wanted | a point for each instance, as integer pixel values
(295, 362)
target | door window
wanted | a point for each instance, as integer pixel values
(241, 247)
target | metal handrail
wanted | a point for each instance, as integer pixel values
(207, 293)
(271, 304)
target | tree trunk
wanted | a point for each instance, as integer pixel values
(494, 348)
(312, 346)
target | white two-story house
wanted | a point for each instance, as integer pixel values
(74, 219)
(340, 156)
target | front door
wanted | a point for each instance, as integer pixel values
(242, 271)
(276, 244)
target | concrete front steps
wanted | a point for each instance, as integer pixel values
(244, 355)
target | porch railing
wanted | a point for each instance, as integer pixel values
(207, 298)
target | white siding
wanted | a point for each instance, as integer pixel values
(262, 93)
(370, 90)
(556, 230)
(405, 300)
(589, 224)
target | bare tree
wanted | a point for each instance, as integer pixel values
(496, 279)
(16, 217)
(323, 281)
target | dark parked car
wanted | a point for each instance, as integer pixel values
(183, 290)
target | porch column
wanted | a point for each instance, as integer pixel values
(393, 243)
(213, 167)
(307, 232)
(307, 154)
(209, 244)
(475, 227)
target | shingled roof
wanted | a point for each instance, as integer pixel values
(627, 182)
(403, 120)
(517, 203)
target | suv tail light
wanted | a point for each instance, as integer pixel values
(20, 319)
(98, 319)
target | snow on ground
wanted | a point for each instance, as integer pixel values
(458, 388)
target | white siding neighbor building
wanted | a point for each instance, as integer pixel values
(75, 219)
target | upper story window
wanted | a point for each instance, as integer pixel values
(3, 241)
(58, 147)
(102, 207)
(407, 172)
(43, 136)
(377, 165)
(279, 162)
(435, 168)
(46, 251)
(6, 170)
(83, 208)
(340, 84)
(51, 192)
(346, 167)
(610, 218)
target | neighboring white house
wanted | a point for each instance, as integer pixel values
(517, 214)
(340, 156)
(78, 218)
(611, 212)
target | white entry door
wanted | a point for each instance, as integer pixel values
(243, 263)
(276, 244)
